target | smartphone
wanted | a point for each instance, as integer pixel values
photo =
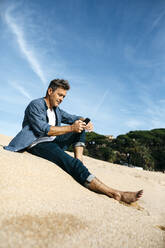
(87, 120)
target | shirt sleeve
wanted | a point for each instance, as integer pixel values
(67, 118)
(36, 117)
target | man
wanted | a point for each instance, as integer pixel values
(42, 135)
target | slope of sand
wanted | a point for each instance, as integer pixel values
(41, 206)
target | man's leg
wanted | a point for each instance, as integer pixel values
(52, 152)
(97, 186)
(75, 139)
(78, 152)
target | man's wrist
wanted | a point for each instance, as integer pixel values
(82, 119)
(71, 128)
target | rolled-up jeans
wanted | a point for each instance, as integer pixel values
(54, 151)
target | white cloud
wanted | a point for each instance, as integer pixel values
(24, 47)
(157, 20)
(21, 90)
(152, 110)
(162, 101)
(134, 56)
(100, 102)
(133, 123)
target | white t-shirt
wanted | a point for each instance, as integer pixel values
(52, 121)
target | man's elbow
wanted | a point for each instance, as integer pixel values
(51, 131)
(42, 131)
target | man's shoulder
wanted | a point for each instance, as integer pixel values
(39, 102)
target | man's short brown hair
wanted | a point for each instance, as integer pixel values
(59, 83)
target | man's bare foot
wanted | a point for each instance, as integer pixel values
(128, 197)
(97, 186)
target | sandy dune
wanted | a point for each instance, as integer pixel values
(41, 206)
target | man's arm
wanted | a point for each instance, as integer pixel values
(70, 119)
(77, 127)
(35, 116)
(67, 118)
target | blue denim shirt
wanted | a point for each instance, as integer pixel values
(35, 124)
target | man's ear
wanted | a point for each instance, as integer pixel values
(50, 91)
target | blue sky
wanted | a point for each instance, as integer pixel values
(111, 51)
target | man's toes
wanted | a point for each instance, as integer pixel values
(139, 193)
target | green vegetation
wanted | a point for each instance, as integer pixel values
(138, 148)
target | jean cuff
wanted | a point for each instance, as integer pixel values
(82, 144)
(88, 180)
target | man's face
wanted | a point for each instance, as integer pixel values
(56, 97)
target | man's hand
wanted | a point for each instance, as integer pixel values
(89, 127)
(78, 126)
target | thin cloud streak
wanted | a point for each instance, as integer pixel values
(100, 103)
(25, 49)
(157, 20)
(21, 90)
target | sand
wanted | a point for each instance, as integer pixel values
(41, 206)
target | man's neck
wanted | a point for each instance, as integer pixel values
(48, 103)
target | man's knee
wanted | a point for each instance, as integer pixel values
(79, 144)
(80, 139)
